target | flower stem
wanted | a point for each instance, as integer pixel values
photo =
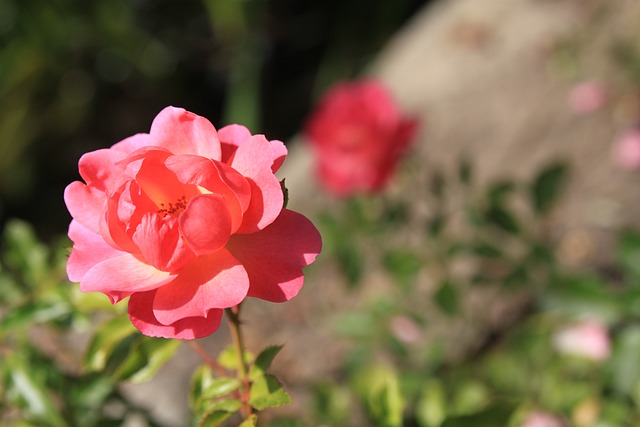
(233, 315)
(219, 370)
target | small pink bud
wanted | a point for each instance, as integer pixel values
(542, 419)
(405, 329)
(589, 339)
(626, 149)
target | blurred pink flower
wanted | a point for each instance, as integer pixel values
(358, 135)
(542, 419)
(405, 329)
(589, 339)
(587, 97)
(626, 149)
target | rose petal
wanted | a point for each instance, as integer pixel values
(123, 273)
(141, 315)
(279, 154)
(231, 137)
(182, 132)
(133, 143)
(98, 169)
(217, 178)
(213, 281)
(85, 204)
(159, 183)
(253, 160)
(89, 249)
(205, 224)
(274, 257)
(160, 243)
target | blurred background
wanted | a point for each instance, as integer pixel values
(494, 281)
(77, 76)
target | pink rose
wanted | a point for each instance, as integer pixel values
(589, 339)
(358, 134)
(186, 221)
(626, 149)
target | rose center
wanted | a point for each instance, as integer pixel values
(173, 209)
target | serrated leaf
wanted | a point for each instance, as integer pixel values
(221, 386)
(214, 418)
(252, 421)
(263, 361)
(202, 400)
(228, 359)
(105, 340)
(267, 392)
(547, 186)
(217, 411)
(446, 297)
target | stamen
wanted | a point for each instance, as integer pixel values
(173, 209)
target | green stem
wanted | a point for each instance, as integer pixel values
(233, 314)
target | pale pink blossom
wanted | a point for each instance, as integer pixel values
(626, 149)
(587, 97)
(405, 329)
(542, 419)
(588, 339)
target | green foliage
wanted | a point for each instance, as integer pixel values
(267, 392)
(446, 298)
(379, 387)
(547, 186)
(217, 397)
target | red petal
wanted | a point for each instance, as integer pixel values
(217, 178)
(89, 249)
(141, 315)
(279, 154)
(231, 136)
(133, 143)
(274, 257)
(159, 183)
(205, 224)
(253, 160)
(86, 204)
(160, 243)
(123, 273)
(213, 281)
(98, 169)
(182, 132)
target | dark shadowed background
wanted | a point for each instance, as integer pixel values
(76, 76)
